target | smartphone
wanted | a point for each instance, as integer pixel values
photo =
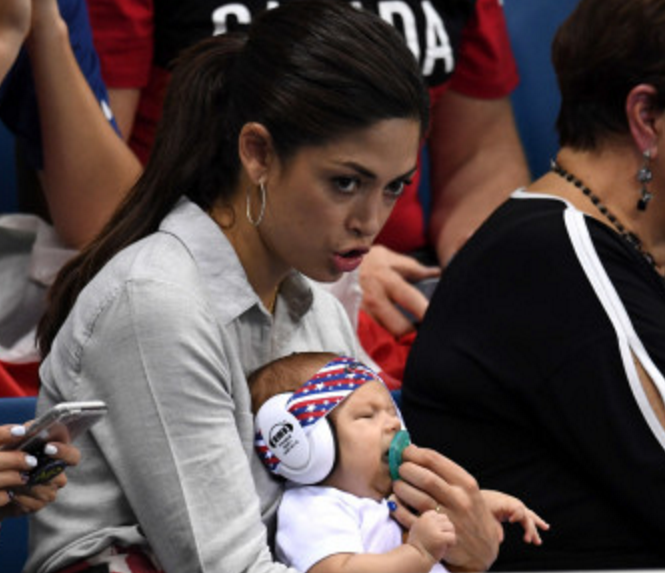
(62, 423)
(425, 286)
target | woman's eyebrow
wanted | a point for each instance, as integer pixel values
(359, 168)
(371, 175)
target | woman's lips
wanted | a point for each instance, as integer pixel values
(349, 260)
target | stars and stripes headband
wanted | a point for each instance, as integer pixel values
(317, 397)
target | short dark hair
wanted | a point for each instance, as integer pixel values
(285, 374)
(603, 50)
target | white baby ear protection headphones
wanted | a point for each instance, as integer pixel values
(294, 437)
(302, 455)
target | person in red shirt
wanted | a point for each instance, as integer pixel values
(53, 103)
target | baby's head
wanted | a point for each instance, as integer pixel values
(327, 419)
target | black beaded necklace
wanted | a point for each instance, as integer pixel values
(629, 236)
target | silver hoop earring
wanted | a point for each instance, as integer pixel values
(644, 176)
(256, 222)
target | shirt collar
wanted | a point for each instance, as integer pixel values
(221, 271)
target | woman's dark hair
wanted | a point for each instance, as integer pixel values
(310, 71)
(603, 50)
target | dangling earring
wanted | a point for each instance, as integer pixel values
(256, 222)
(644, 176)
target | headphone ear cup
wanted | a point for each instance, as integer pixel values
(306, 456)
(322, 456)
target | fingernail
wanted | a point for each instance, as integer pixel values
(17, 431)
(50, 450)
(31, 461)
(392, 506)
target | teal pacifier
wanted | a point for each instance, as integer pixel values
(400, 441)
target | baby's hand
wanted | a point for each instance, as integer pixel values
(507, 508)
(432, 533)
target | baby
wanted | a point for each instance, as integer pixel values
(330, 427)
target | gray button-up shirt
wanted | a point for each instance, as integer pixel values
(166, 334)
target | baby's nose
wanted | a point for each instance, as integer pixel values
(394, 424)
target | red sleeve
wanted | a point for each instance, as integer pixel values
(19, 379)
(122, 31)
(486, 67)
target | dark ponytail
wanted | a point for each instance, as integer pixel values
(184, 161)
(310, 71)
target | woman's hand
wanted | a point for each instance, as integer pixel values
(385, 278)
(16, 498)
(431, 481)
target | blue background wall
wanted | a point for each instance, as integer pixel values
(532, 24)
